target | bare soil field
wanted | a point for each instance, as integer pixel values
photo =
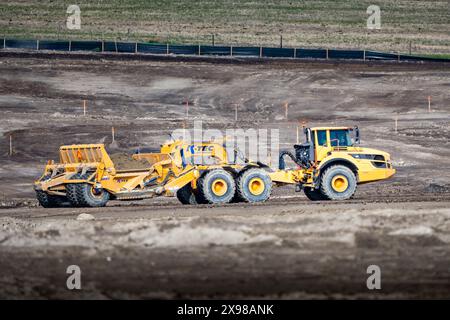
(288, 250)
(288, 247)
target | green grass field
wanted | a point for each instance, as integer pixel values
(420, 26)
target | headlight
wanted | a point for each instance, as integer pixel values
(361, 156)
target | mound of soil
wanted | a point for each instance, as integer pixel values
(124, 161)
(437, 188)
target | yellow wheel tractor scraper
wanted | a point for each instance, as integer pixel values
(329, 166)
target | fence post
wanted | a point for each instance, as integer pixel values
(167, 48)
(260, 52)
(364, 57)
(10, 145)
(70, 45)
(295, 52)
(213, 41)
(198, 49)
(103, 45)
(327, 53)
(231, 50)
(4, 43)
(135, 48)
(115, 41)
(37, 44)
(281, 41)
(398, 55)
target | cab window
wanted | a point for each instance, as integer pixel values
(322, 137)
(340, 138)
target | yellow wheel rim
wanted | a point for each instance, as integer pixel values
(219, 187)
(256, 186)
(339, 183)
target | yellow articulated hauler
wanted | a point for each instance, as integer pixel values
(328, 166)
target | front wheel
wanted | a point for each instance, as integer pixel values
(338, 183)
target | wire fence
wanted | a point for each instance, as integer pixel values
(206, 50)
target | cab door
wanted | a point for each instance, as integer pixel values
(322, 143)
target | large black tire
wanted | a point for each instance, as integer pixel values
(88, 196)
(215, 186)
(71, 191)
(186, 195)
(237, 197)
(199, 197)
(314, 194)
(253, 185)
(338, 182)
(49, 201)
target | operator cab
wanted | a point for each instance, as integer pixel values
(320, 141)
(328, 139)
(335, 137)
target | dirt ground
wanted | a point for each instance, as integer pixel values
(288, 247)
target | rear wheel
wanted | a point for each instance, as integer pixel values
(89, 196)
(49, 201)
(71, 191)
(254, 185)
(186, 195)
(216, 186)
(338, 183)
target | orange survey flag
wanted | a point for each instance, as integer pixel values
(79, 155)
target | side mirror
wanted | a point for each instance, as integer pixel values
(357, 136)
